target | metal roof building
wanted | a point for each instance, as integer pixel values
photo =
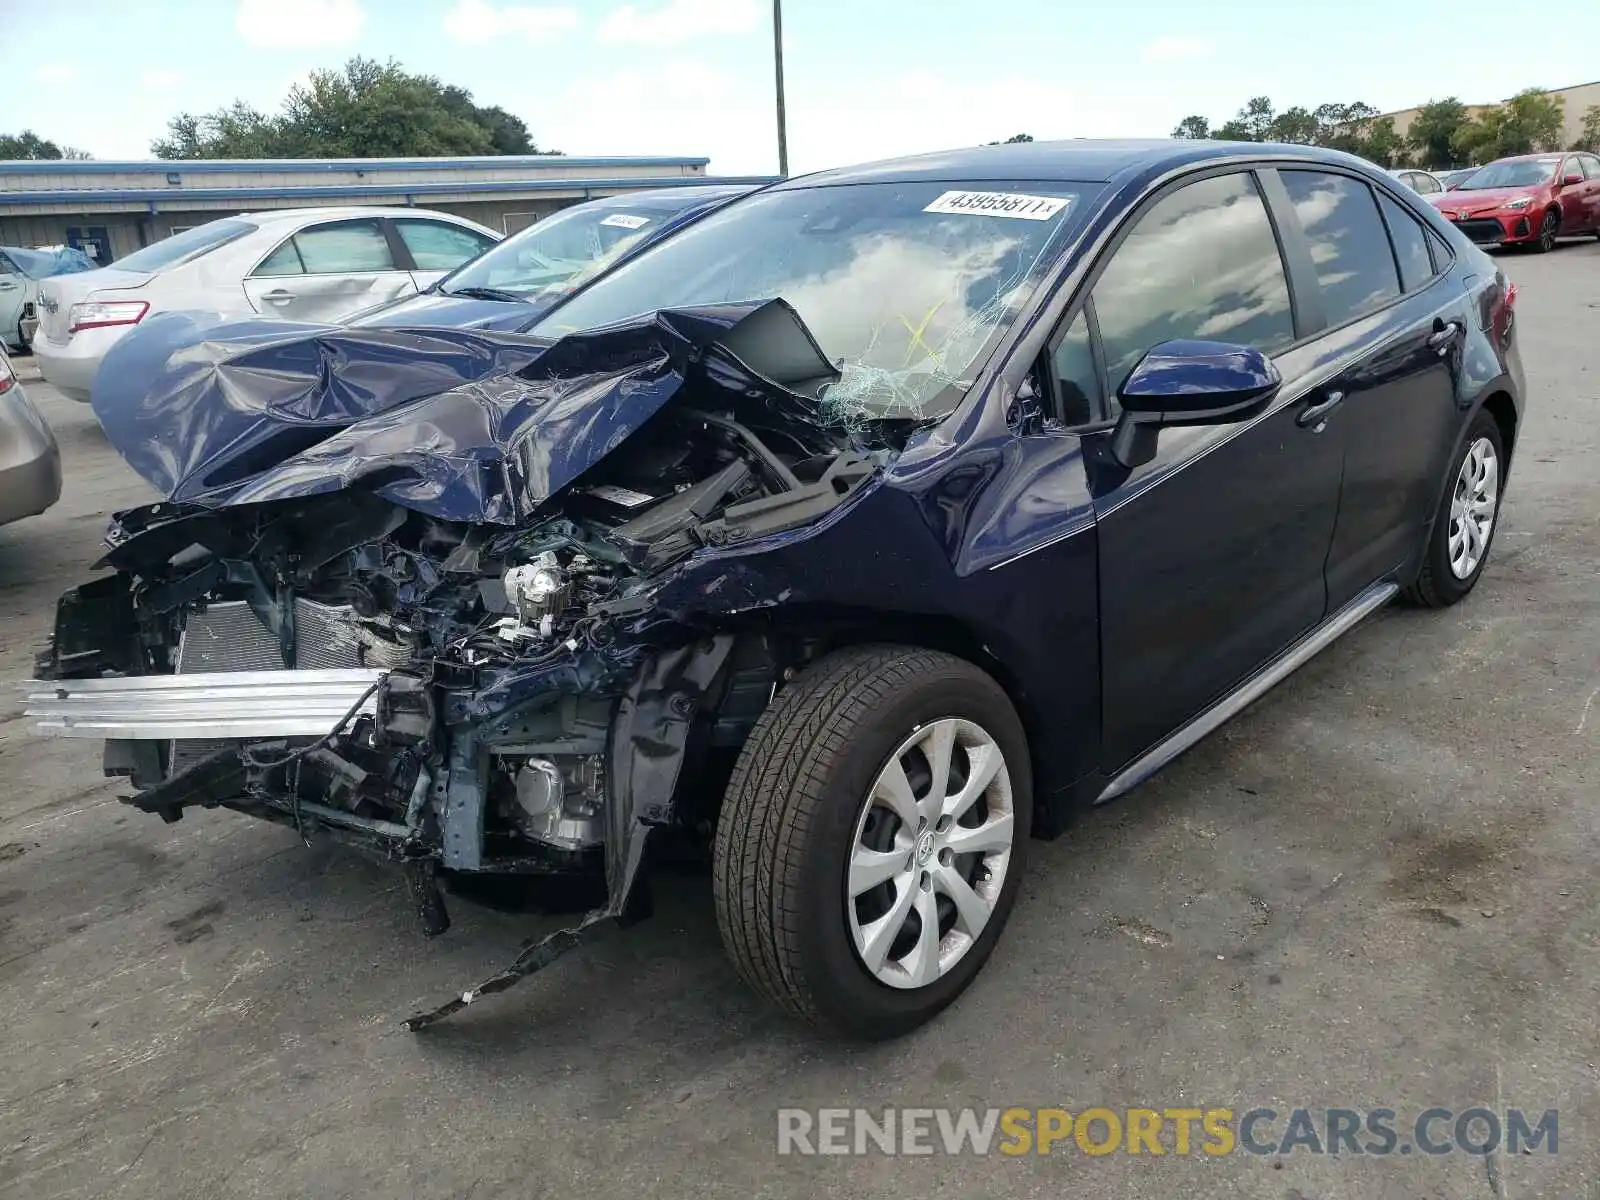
(112, 208)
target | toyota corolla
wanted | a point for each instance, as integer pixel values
(879, 522)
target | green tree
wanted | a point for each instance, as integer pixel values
(1530, 121)
(1589, 135)
(26, 144)
(1383, 145)
(1297, 125)
(1251, 124)
(1193, 126)
(366, 109)
(1433, 130)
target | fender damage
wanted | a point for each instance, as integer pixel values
(472, 602)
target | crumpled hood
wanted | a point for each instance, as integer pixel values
(459, 424)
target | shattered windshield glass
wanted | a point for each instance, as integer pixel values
(561, 249)
(903, 285)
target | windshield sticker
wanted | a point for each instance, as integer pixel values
(1000, 204)
(626, 221)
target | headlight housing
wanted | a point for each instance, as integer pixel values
(1517, 205)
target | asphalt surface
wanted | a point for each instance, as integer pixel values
(1374, 889)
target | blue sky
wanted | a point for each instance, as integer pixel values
(866, 78)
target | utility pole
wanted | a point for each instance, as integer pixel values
(777, 57)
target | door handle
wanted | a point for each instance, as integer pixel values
(1315, 416)
(1444, 335)
(279, 297)
(8, 287)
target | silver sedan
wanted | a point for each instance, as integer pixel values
(30, 462)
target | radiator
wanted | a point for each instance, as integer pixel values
(230, 637)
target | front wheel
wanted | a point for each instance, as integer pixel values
(1547, 232)
(870, 844)
(1458, 545)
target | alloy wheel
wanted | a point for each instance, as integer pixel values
(1547, 231)
(1473, 507)
(932, 846)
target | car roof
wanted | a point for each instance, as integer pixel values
(1540, 156)
(1078, 160)
(272, 216)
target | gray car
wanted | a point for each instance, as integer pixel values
(30, 462)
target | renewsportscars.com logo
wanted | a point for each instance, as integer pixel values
(1176, 1131)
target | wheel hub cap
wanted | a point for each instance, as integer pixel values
(1473, 507)
(932, 846)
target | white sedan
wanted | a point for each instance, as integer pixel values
(306, 264)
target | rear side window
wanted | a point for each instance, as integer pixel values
(344, 248)
(186, 246)
(1348, 244)
(1442, 258)
(1201, 263)
(436, 246)
(1591, 165)
(1410, 244)
(1426, 183)
(285, 260)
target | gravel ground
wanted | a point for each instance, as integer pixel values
(1376, 888)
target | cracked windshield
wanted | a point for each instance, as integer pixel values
(903, 286)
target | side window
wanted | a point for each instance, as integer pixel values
(344, 248)
(1426, 183)
(7, 267)
(285, 260)
(1201, 263)
(1591, 166)
(1410, 244)
(1348, 246)
(1077, 385)
(436, 246)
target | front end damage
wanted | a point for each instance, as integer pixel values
(481, 628)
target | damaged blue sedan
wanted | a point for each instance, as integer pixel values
(876, 523)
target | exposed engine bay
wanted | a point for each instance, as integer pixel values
(463, 695)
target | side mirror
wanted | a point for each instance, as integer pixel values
(1571, 177)
(1189, 383)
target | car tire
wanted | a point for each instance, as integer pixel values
(1549, 225)
(1450, 566)
(805, 819)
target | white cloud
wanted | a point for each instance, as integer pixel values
(477, 21)
(680, 20)
(55, 73)
(1178, 48)
(160, 80)
(298, 24)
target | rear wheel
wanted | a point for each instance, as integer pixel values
(1547, 232)
(871, 841)
(1458, 545)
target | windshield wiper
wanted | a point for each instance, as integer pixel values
(487, 293)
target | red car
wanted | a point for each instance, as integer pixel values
(1530, 199)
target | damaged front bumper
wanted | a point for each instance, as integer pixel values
(227, 704)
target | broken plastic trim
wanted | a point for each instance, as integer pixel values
(648, 740)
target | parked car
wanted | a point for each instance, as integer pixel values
(512, 284)
(1527, 200)
(21, 270)
(866, 528)
(1423, 182)
(30, 462)
(307, 264)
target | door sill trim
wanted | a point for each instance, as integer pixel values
(1252, 689)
